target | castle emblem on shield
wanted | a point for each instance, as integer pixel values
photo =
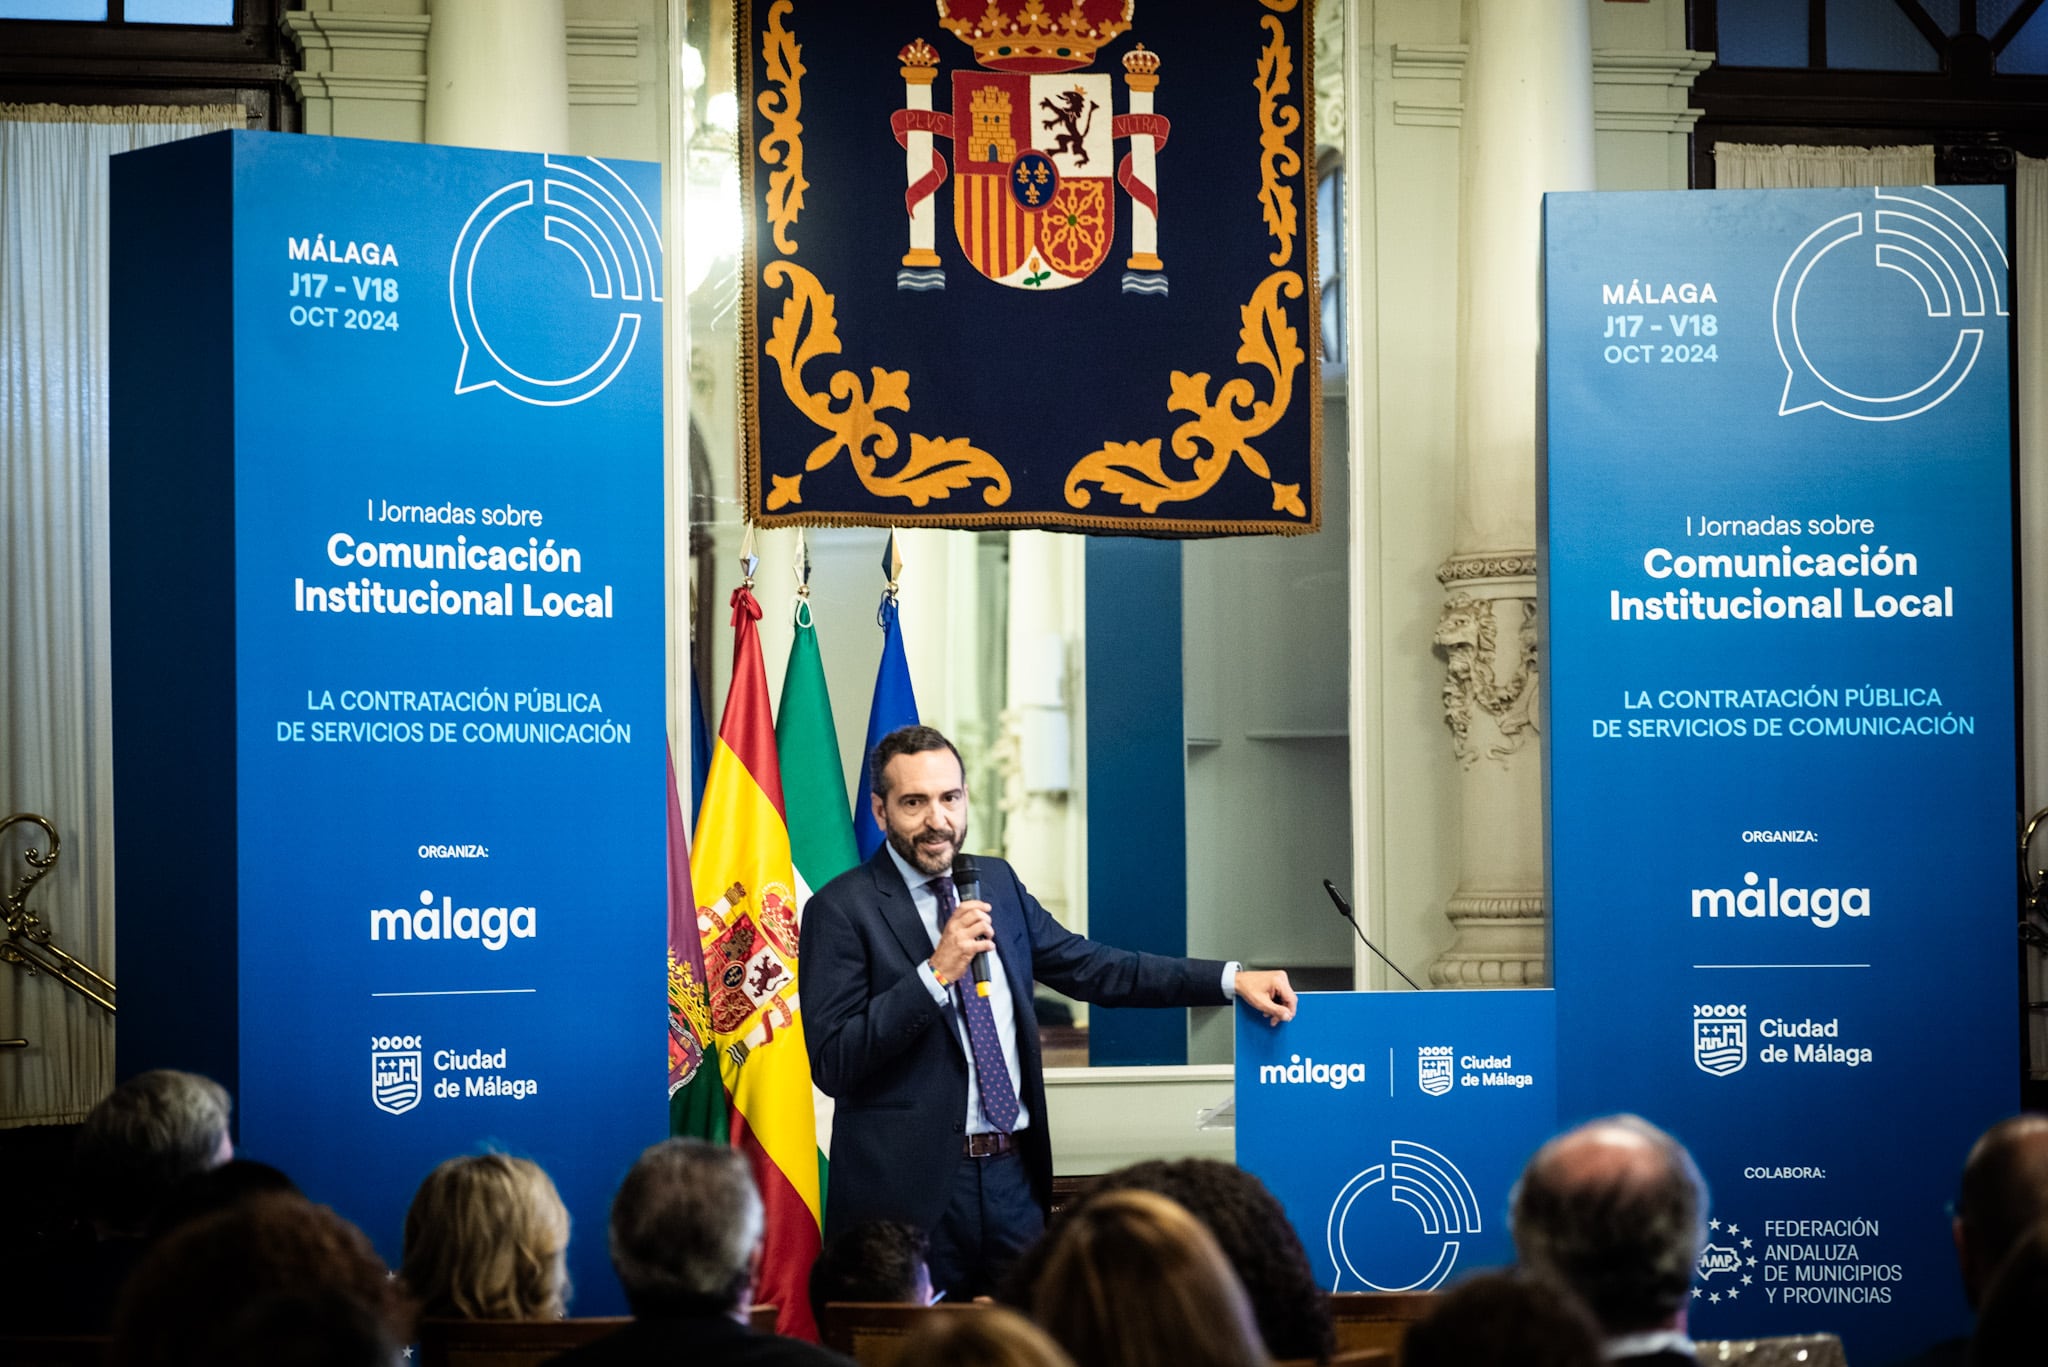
(395, 1079)
(1033, 134)
(1433, 1069)
(1720, 1039)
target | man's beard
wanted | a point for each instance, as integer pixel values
(922, 862)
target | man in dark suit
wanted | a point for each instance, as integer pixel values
(2004, 1194)
(941, 1095)
(1615, 1211)
(686, 1243)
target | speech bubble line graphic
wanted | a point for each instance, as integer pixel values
(1425, 1182)
(1946, 259)
(618, 248)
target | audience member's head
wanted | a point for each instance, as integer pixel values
(986, 1337)
(1133, 1280)
(2004, 1193)
(1615, 1210)
(686, 1231)
(487, 1238)
(1252, 1229)
(154, 1129)
(225, 1281)
(1498, 1319)
(203, 1193)
(876, 1260)
(2012, 1318)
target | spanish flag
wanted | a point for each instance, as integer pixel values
(744, 883)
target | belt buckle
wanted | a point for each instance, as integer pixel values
(986, 1145)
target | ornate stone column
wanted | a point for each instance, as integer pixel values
(1528, 128)
(498, 75)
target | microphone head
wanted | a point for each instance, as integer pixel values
(966, 869)
(1343, 907)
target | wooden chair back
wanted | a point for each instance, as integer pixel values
(506, 1343)
(1344, 1357)
(872, 1333)
(1786, 1350)
(1377, 1320)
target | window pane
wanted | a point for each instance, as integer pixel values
(1992, 14)
(217, 12)
(53, 9)
(1762, 33)
(2027, 53)
(1873, 35)
(1948, 14)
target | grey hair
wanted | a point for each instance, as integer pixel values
(1623, 1235)
(684, 1228)
(151, 1131)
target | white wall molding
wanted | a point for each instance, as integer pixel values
(1638, 91)
(1634, 90)
(603, 38)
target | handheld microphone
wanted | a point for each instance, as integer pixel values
(1344, 910)
(967, 881)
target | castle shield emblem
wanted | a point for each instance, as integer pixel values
(395, 1079)
(1433, 1068)
(1720, 1039)
(1032, 205)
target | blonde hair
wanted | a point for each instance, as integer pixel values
(1133, 1280)
(486, 1239)
(984, 1336)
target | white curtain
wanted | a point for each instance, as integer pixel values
(2030, 328)
(1760, 166)
(56, 756)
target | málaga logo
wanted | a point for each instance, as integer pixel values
(1433, 1068)
(1820, 313)
(558, 353)
(395, 1077)
(1720, 1038)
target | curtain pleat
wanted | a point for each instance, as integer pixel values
(2030, 354)
(1760, 166)
(56, 753)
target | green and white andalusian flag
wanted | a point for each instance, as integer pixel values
(814, 797)
(813, 785)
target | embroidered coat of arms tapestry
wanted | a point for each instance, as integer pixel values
(1030, 263)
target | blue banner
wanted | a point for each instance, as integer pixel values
(1782, 763)
(398, 408)
(1392, 1127)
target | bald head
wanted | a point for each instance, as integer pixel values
(2004, 1193)
(1615, 1211)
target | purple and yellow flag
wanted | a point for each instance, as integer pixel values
(1047, 265)
(696, 1096)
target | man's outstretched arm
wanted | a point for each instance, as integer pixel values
(1266, 991)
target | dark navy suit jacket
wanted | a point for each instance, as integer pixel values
(891, 1057)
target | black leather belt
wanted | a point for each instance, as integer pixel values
(988, 1145)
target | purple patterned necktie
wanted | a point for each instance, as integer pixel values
(998, 1097)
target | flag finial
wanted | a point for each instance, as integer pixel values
(892, 566)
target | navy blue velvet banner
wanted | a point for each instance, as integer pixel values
(1031, 266)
